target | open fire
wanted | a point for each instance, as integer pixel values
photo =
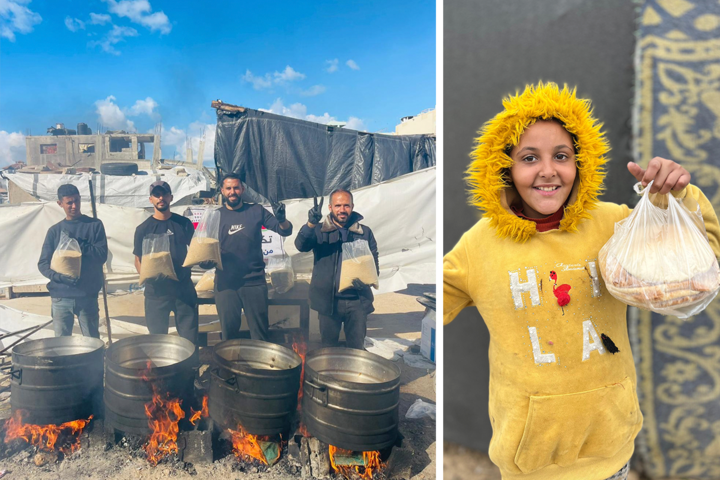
(163, 414)
(202, 413)
(299, 346)
(371, 463)
(246, 446)
(64, 438)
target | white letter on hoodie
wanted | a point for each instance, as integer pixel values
(518, 288)
(537, 353)
(589, 331)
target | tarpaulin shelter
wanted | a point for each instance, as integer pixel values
(281, 157)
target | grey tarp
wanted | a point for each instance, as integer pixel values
(281, 157)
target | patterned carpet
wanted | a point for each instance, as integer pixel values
(677, 116)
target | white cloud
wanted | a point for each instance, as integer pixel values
(258, 83)
(15, 17)
(146, 107)
(332, 65)
(138, 11)
(355, 123)
(175, 140)
(113, 37)
(288, 75)
(74, 24)
(278, 78)
(99, 18)
(312, 91)
(111, 116)
(12, 147)
(298, 110)
(352, 64)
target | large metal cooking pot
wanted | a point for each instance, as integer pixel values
(134, 365)
(57, 380)
(254, 384)
(351, 398)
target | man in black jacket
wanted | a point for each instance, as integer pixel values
(325, 236)
(75, 296)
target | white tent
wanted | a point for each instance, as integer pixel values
(401, 213)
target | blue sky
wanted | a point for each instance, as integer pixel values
(129, 64)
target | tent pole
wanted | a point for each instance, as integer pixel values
(104, 290)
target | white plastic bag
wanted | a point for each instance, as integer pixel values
(205, 244)
(282, 275)
(421, 409)
(357, 263)
(659, 258)
(67, 258)
(156, 260)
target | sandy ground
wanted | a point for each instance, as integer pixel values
(398, 315)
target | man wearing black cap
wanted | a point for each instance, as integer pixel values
(75, 296)
(163, 295)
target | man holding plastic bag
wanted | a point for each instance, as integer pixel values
(161, 245)
(240, 285)
(72, 257)
(346, 265)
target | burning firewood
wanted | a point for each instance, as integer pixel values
(355, 464)
(63, 438)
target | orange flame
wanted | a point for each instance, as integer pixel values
(202, 413)
(300, 347)
(303, 430)
(371, 464)
(163, 414)
(46, 437)
(246, 445)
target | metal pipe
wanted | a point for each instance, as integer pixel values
(34, 330)
(104, 290)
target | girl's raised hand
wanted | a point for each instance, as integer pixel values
(667, 175)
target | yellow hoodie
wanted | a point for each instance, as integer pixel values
(561, 405)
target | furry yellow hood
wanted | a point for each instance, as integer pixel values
(489, 191)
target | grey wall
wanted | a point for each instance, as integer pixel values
(493, 48)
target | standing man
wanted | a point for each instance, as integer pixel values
(241, 285)
(163, 295)
(325, 236)
(75, 296)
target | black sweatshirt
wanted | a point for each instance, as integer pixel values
(90, 233)
(181, 231)
(241, 245)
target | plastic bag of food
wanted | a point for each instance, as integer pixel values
(67, 258)
(282, 275)
(206, 282)
(659, 258)
(357, 263)
(205, 244)
(156, 260)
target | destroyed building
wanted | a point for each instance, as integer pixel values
(83, 148)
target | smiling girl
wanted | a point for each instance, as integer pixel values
(563, 402)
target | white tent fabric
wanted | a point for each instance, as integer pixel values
(401, 213)
(126, 191)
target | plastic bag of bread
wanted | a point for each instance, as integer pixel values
(659, 258)
(205, 244)
(67, 258)
(357, 263)
(156, 262)
(282, 275)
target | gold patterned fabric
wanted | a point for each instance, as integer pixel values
(677, 116)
